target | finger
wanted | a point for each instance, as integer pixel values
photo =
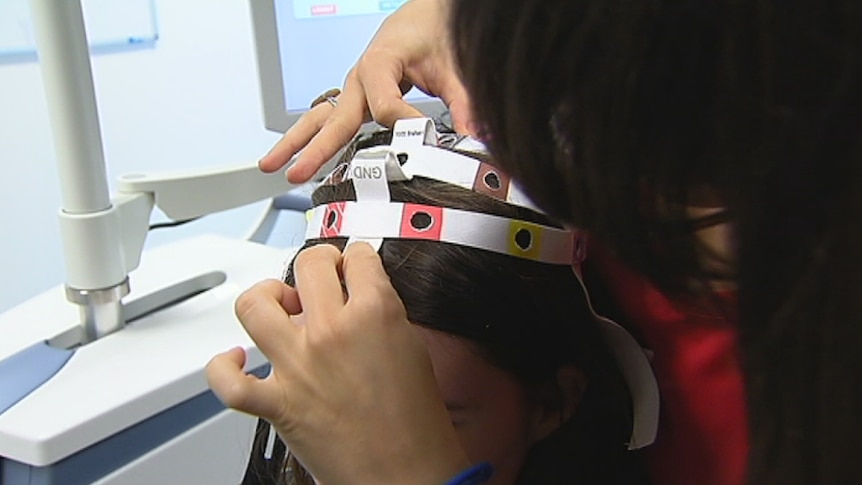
(445, 83)
(336, 131)
(261, 312)
(238, 390)
(381, 82)
(295, 138)
(458, 101)
(290, 300)
(364, 276)
(318, 280)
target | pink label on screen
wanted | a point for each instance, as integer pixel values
(324, 9)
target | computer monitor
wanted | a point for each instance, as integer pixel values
(305, 47)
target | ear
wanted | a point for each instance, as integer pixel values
(557, 402)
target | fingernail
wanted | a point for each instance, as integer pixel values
(476, 130)
(473, 129)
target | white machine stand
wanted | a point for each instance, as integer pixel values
(102, 379)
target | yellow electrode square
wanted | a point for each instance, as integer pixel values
(525, 239)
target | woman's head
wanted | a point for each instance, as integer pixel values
(619, 116)
(515, 348)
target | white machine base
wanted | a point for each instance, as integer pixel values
(134, 406)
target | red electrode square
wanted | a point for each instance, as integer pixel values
(421, 222)
(490, 181)
(332, 218)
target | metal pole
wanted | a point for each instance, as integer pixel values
(95, 271)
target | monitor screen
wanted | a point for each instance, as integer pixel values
(305, 47)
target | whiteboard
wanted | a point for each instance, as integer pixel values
(109, 23)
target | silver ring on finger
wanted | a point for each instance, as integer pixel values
(330, 96)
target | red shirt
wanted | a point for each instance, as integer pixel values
(703, 434)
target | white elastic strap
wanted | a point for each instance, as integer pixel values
(469, 144)
(371, 185)
(637, 372)
(634, 365)
(414, 142)
(447, 166)
(270, 437)
(270, 443)
(378, 220)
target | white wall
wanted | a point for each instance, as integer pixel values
(191, 101)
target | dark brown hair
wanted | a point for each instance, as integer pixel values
(618, 115)
(524, 317)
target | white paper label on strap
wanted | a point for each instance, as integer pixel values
(373, 242)
(470, 144)
(369, 179)
(412, 132)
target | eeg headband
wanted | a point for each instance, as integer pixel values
(374, 216)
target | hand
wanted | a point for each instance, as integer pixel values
(411, 48)
(352, 391)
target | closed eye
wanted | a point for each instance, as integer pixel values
(456, 406)
(458, 412)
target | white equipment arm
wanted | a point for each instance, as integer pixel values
(103, 237)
